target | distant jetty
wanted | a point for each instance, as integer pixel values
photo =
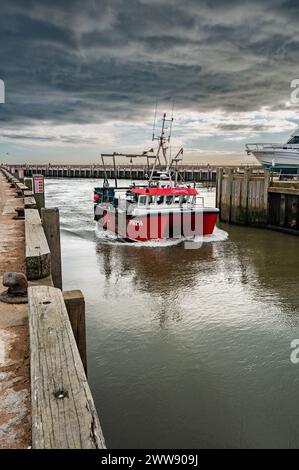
(199, 173)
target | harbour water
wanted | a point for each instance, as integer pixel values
(186, 348)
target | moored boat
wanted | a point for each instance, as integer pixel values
(281, 157)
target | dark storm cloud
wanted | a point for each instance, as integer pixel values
(243, 127)
(95, 61)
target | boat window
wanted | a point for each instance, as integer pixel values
(142, 200)
(169, 200)
(150, 200)
(160, 199)
(184, 199)
(294, 140)
(176, 199)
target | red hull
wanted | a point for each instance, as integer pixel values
(162, 226)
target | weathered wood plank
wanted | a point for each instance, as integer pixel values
(244, 197)
(21, 186)
(282, 210)
(29, 202)
(283, 190)
(51, 225)
(37, 252)
(75, 305)
(63, 412)
(219, 187)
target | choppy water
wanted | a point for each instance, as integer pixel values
(186, 348)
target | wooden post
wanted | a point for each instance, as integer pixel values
(219, 187)
(63, 411)
(51, 225)
(21, 174)
(28, 182)
(230, 177)
(266, 196)
(282, 218)
(29, 202)
(37, 251)
(244, 200)
(75, 305)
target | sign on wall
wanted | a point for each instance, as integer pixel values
(38, 184)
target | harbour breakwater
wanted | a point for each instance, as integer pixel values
(260, 200)
(199, 173)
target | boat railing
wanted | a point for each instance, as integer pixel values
(269, 146)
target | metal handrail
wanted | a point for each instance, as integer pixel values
(262, 146)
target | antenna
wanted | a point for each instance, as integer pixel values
(155, 116)
(171, 121)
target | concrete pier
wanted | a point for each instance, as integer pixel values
(15, 408)
(45, 399)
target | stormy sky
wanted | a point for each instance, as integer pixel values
(83, 78)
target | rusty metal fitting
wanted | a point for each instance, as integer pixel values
(17, 288)
(20, 213)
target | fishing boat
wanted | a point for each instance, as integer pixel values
(165, 207)
(281, 157)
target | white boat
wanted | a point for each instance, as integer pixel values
(283, 157)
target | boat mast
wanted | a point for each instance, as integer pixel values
(163, 139)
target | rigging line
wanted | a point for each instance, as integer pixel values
(155, 117)
(171, 121)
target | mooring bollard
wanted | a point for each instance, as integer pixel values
(17, 288)
(20, 213)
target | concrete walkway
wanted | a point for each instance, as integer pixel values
(15, 428)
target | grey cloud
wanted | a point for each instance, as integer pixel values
(108, 60)
(66, 139)
(243, 127)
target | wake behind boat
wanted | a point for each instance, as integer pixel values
(282, 157)
(164, 208)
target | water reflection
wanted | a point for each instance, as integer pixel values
(268, 264)
(156, 270)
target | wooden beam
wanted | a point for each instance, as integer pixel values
(244, 195)
(266, 194)
(63, 412)
(28, 193)
(282, 210)
(230, 177)
(283, 190)
(37, 252)
(21, 186)
(29, 202)
(219, 187)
